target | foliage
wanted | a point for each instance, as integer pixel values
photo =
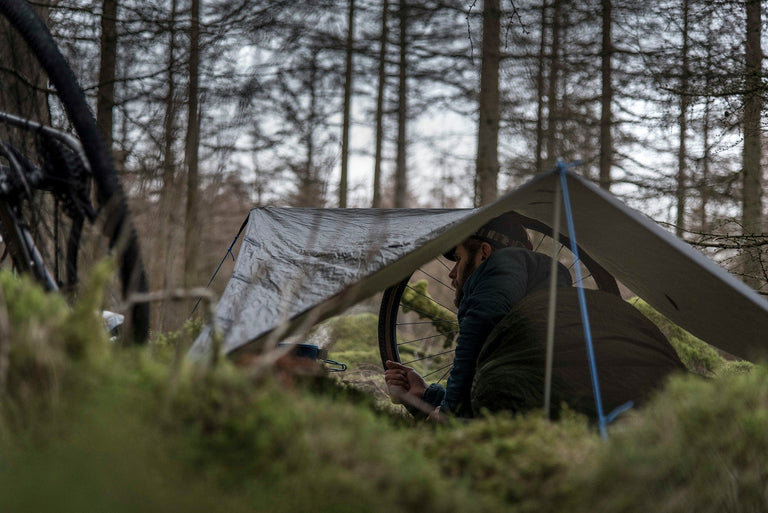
(167, 346)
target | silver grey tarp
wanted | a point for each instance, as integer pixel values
(297, 266)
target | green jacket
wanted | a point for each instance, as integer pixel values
(490, 292)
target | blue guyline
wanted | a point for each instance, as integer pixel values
(561, 167)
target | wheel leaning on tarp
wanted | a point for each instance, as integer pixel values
(61, 204)
(417, 319)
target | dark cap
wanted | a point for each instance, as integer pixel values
(500, 232)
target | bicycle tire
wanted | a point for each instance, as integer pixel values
(114, 217)
(391, 310)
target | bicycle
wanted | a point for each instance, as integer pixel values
(61, 204)
(417, 320)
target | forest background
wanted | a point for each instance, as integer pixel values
(214, 107)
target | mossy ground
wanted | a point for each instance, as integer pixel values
(85, 426)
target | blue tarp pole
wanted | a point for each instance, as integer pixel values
(601, 420)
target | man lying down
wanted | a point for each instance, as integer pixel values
(502, 293)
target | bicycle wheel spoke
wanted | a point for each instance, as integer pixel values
(432, 373)
(442, 262)
(424, 313)
(436, 280)
(431, 299)
(430, 337)
(429, 357)
(438, 321)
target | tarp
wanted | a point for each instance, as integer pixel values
(297, 266)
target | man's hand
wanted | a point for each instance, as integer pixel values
(403, 381)
(436, 416)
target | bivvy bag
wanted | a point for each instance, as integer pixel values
(633, 357)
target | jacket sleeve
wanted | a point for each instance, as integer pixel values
(489, 293)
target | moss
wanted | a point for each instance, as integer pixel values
(47, 343)
(737, 367)
(700, 446)
(356, 332)
(526, 461)
(352, 340)
(128, 431)
(696, 355)
(85, 335)
(311, 452)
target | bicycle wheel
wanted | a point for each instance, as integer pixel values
(61, 205)
(417, 319)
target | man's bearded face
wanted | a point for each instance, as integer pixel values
(466, 263)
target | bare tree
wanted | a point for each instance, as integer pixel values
(541, 90)
(487, 163)
(681, 191)
(606, 99)
(382, 66)
(343, 185)
(191, 151)
(107, 68)
(168, 234)
(752, 182)
(552, 135)
(401, 177)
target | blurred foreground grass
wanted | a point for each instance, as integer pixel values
(87, 427)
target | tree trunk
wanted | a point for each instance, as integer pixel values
(681, 192)
(752, 183)
(167, 241)
(309, 193)
(706, 157)
(165, 274)
(541, 92)
(606, 100)
(191, 152)
(551, 139)
(401, 184)
(376, 203)
(343, 186)
(106, 94)
(487, 166)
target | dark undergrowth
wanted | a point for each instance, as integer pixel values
(87, 426)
